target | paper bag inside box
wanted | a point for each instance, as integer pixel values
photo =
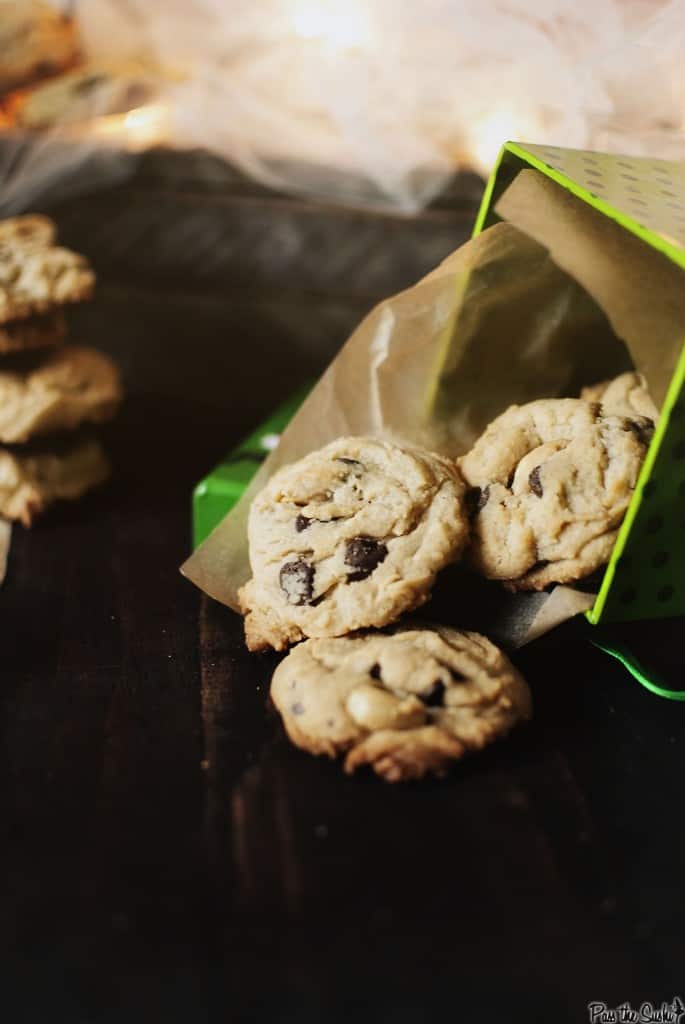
(617, 227)
(646, 200)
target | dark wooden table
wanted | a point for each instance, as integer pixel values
(167, 855)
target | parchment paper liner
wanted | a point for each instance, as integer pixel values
(525, 310)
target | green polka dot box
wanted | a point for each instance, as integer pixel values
(644, 578)
(645, 198)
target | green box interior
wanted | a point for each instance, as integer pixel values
(216, 495)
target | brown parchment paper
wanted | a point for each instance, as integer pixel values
(499, 321)
(640, 290)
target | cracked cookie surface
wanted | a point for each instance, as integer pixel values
(31, 230)
(70, 385)
(407, 703)
(550, 483)
(36, 275)
(625, 395)
(350, 536)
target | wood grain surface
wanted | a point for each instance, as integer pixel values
(168, 856)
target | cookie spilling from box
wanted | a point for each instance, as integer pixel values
(33, 479)
(350, 536)
(407, 703)
(67, 387)
(550, 484)
(625, 395)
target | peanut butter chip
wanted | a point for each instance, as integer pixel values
(373, 708)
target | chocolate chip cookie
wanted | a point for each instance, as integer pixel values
(625, 395)
(69, 386)
(550, 483)
(30, 230)
(407, 703)
(31, 481)
(350, 536)
(37, 276)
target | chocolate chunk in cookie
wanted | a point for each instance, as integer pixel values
(476, 499)
(534, 482)
(297, 581)
(435, 698)
(363, 554)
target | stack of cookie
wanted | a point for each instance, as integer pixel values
(36, 41)
(47, 389)
(353, 536)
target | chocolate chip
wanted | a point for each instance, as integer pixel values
(435, 698)
(302, 523)
(457, 677)
(297, 581)
(297, 708)
(535, 483)
(349, 462)
(363, 554)
(471, 499)
(643, 429)
(475, 499)
(375, 671)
